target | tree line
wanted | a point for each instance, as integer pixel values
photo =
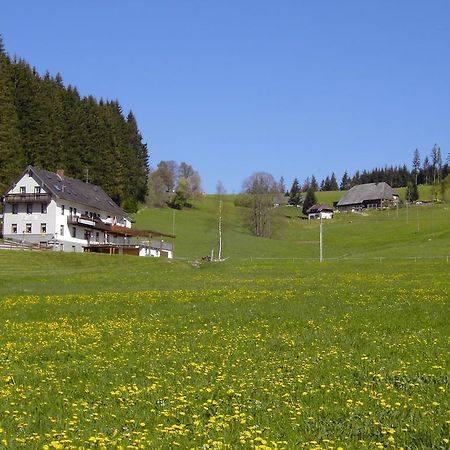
(433, 169)
(46, 124)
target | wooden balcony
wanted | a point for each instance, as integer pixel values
(27, 198)
(86, 221)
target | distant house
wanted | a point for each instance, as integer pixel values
(370, 195)
(52, 210)
(279, 200)
(320, 211)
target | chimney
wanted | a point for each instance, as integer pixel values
(60, 173)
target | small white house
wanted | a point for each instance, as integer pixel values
(52, 210)
(320, 211)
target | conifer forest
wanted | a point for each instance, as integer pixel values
(49, 125)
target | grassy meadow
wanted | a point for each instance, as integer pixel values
(414, 231)
(100, 351)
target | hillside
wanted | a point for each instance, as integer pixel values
(417, 231)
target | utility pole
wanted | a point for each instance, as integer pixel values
(321, 238)
(417, 218)
(173, 231)
(220, 230)
(173, 223)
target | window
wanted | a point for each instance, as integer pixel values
(43, 208)
(15, 208)
(37, 189)
(63, 209)
(28, 228)
(43, 228)
(75, 211)
(23, 190)
(97, 236)
(74, 232)
(61, 230)
(70, 211)
(14, 228)
(29, 208)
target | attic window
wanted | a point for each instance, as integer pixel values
(111, 203)
(57, 187)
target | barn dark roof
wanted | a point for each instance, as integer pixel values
(318, 207)
(66, 188)
(370, 191)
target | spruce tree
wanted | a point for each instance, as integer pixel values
(314, 183)
(295, 195)
(333, 183)
(416, 164)
(310, 200)
(412, 193)
(2, 46)
(345, 182)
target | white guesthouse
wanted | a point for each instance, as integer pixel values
(51, 210)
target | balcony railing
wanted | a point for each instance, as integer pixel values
(88, 222)
(27, 198)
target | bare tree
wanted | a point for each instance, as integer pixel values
(168, 171)
(220, 189)
(261, 187)
(157, 195)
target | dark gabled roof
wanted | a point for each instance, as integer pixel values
(370, 191)
(319, 207)
(66, 188)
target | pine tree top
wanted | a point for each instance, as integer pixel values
(2, 46)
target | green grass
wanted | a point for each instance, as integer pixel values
(100, 351)
(266, 354)
(419, 230)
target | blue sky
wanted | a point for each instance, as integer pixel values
(293, 88)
